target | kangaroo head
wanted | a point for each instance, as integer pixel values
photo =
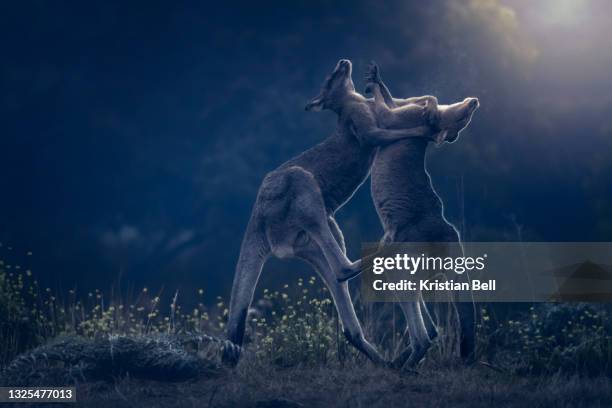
(335, 88)
(457, 116)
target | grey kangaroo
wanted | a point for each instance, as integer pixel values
(409, 208)
(293, 214)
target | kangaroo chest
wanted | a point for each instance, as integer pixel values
(402, 192)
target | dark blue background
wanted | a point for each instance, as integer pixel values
(134, 136)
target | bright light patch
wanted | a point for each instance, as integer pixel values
(562, 12)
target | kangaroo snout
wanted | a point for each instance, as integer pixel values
(314, 105)
(457, 116)
(336, 86)
(472, 103)
(466, 110)
(344, 65)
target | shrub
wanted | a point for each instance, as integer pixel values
(296, 325)
(565, 337)
(23, 323)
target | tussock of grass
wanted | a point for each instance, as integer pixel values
(74, 359)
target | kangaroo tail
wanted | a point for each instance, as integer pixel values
(253, 253)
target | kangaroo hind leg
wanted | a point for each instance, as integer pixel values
(419, 338)
(466, 312)
(309, 211)
(430, 325)
(342, 299)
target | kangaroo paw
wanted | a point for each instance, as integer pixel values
(370, 87)
(373, 73)
(431, 114)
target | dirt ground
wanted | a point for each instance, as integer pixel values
(253, 385)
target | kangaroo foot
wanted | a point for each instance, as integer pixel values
(410, 357)
(349, 273)
(416, 356)
(231, 353)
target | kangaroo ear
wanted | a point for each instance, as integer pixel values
(451, 136)
(315, 105)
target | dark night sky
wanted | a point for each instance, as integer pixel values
(134, 137)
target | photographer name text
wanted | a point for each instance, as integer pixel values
(434, 285)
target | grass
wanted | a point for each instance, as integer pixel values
(549, 354)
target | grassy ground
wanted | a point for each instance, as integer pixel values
(354, 385)
(546, 355)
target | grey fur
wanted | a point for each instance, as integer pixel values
(293, 215)
(411, 211)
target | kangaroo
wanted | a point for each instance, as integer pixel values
(293, 214)
(411, 211)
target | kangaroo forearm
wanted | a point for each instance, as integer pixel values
(418, 100)
(389, 101)
(392, 102)
(386, 136)
(386, 94)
